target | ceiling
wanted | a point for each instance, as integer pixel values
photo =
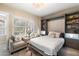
(45, 10)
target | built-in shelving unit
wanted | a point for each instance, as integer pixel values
(72, 30)
(72, 23)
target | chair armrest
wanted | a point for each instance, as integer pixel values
(10, 42)
(25, 40)
(10, 45)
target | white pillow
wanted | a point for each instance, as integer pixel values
(57, 34)
(54, 34)
(51, 34)
(18, 38)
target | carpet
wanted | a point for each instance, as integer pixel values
(24, 53)
(4, 52)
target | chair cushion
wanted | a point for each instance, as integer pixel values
(18, 44)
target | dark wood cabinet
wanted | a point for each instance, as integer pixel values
(72, 30)
(72, 23)
(72, 43)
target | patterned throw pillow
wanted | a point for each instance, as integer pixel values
(18, 38)
(34, 34)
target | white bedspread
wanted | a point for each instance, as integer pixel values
(48, 44)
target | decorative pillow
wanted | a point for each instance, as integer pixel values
(51, 34)
(62, 35)
(54, 34)
(18, 38)
(34, 34)
(57, 35)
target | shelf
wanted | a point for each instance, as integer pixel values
(72, 19)
(73, 24)
(71, 32)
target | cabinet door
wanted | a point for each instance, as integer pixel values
(73, 43)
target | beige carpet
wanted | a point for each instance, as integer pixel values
(4, 52)
(24, 53)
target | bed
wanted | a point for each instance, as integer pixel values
(47, 45)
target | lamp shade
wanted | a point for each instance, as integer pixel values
(43, 32)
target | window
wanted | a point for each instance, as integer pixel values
(3, 24)
(19, 26)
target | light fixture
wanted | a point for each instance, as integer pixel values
(39, 5)
(43, 32)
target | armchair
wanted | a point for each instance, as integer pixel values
(15, 45)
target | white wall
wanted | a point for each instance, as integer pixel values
(19, 13)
